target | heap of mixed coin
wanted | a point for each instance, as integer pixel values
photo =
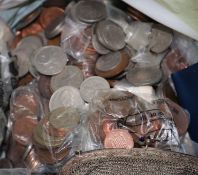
(68, 55)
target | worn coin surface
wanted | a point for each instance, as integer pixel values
(91, 85)
(90, 11)
(49, 14)
(111, 64)
(141, 76)
(110, 35)
(119, 138)
(50, 60)
(161, 40)
(70, 76)
(55, 27)
(64, 117)
(65, 97)
(99, 47)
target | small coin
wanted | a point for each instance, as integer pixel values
(66, 118)
(141, 76)
(55, 27)
(70, 76)
(110, 35)
(28, 19)
(111, 64)
(23, 129)
(44, 86)
(49, 14)
(119, 138)
(50, 60)
(161, 40)
(65, 97)
(91, 85)
(90, 11)
(99, 47)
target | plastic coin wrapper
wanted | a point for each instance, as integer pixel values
(149, 124)
(56, 138)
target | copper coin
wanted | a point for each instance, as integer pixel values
(25, 80)
(49, 14)
(44, 86)
(108, 126)
(23, 129)
(33, 29)
(180, 117)
(55, 41)
(27, 101)
(119, 138)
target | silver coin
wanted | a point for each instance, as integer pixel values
(99, 47)
(90, 11)
(22, 63)
(70, 76)
(109, 61)
(91, 85)
(55, 28)
(65, 97)
(50, 60)
(160, 40)
(33, 71)
(110, 35)
(141, 76)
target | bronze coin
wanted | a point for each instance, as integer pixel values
(49, 14)
(33, 29)
(44, 86)
(55, 41)
(23, 129)
(25, 80)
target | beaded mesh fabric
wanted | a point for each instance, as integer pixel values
(131, 162)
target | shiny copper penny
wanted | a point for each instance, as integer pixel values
(44, 86)
(119, 138)
(49, 14)
(33, 29)
(23, 129)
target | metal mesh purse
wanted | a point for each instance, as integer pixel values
(131, 162)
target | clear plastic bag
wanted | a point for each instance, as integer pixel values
(149, 124)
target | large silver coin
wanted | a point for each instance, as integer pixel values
(70, 76)
(108, 62)
(160, 40)
(141, 76)
(50, 60)
(99, 47)
(91, 85)
(90, 11)
(110, 35)
(65, 97)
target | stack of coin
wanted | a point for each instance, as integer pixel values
(53, 135)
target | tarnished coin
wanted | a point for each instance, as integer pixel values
(99, 47)
(90, 11)
(91, 85)
(119, 138)
(49, 14)
(66, 118)
(111, 64)
(141, 76)
(55, 27)
(70, 76)
(23, 129)
(110, 35)
(161, 39)
(28, 19)
(65, 97)
(44, 86)
(50, 60)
